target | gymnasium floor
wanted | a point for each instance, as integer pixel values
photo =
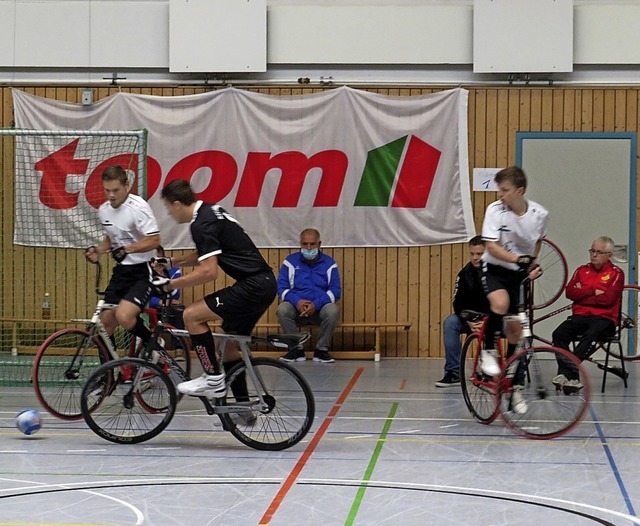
(387, 447)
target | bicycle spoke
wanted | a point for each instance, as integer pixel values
(289, 410)
(61, 367)
(630, 324)
(545, 412)
(550, 286)
(132, 401)
(478, 390)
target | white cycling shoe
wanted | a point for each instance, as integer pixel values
(489, 362)
(208, 385)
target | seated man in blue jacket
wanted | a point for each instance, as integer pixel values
(309, 286)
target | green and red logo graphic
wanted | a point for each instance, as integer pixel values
(413, 174)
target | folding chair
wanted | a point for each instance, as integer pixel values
(626, 334)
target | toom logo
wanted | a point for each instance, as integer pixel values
(399, 174)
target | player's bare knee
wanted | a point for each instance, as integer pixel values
(191, 319)
(125, 319)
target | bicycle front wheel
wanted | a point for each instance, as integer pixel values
(542, 410)
(288, 410)
(61, 367)
(128, 401)
(478, 390)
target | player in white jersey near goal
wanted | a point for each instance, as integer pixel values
(132, 236)
(512, 230)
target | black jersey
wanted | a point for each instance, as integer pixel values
(216, 233)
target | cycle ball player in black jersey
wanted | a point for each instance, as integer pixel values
(221, 243)
(132, 236)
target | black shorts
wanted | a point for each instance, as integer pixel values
(495, 277)
(131, 283)
(242, 304)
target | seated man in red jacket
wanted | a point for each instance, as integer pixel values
(596, 292)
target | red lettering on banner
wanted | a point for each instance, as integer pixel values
(294, 167)
(412, 190)
(224, 171)
(55, 168)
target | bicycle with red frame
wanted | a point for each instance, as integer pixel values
(544, 410)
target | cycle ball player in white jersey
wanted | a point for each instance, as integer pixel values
(513, 230)
(132, 236)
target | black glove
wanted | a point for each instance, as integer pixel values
(119, 254)
(524, 262)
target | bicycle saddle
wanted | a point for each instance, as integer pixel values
(472, 315)
(288, 340)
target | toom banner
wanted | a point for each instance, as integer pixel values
(364, 169)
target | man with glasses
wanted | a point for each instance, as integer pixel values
(596, 292)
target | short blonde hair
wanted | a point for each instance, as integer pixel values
(607, 241)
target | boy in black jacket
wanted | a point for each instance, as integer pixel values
(468, 294)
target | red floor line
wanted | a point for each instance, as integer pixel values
(289, 482)
(403, 384)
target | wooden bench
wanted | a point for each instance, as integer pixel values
(373, 354)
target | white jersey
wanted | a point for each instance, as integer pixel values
(517, 234)
(129, 223)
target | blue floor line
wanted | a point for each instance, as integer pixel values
(612, 462)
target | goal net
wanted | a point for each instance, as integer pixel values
(51, 189)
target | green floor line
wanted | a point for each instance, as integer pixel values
(372, 464)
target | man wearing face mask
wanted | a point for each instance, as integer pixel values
(309, 286)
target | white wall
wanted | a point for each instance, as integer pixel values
(331, 40)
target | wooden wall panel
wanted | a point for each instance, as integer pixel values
(413, 283)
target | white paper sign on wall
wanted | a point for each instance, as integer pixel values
(483, 179)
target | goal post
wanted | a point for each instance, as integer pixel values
(58, 183)
(51, 188)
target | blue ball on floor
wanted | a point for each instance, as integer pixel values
(29, 421)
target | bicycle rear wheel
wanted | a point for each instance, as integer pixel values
(548, 412)
(550, 286)
(128, 401)
(629, 327)
(61, 367)
(289, 405)
(478, 390)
